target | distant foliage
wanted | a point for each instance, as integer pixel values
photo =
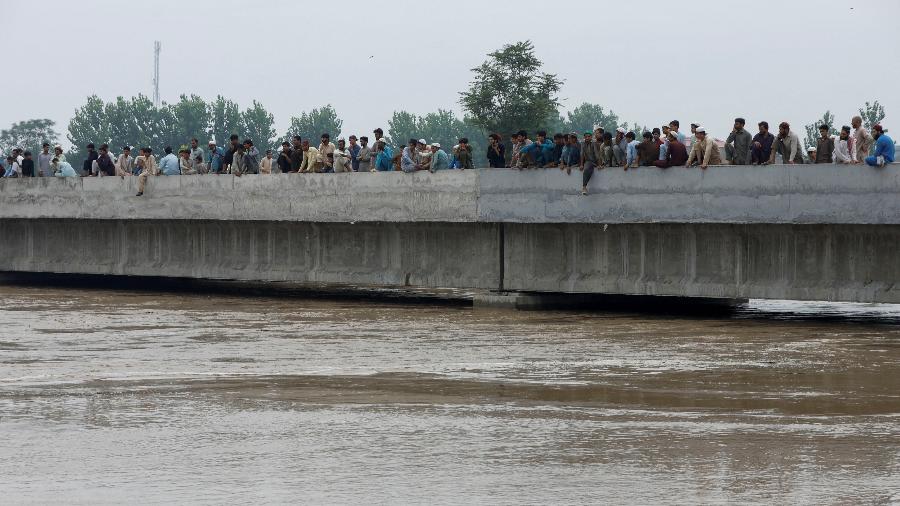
(138, 123)
(311, 125)
(587, 116)
(28, 135)
(871, 114)
(258, 124)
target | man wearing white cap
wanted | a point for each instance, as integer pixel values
(811, 154)
(216, 157)
(704, 150)
(440, 160)
(423, 154)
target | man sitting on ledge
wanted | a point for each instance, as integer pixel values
(704, 151)
(884, 148)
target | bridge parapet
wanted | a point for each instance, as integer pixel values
(799, 194)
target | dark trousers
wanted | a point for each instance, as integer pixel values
(760, 155)
(588, 173)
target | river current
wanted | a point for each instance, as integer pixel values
(123, 396)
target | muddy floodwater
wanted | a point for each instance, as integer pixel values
(146, 397)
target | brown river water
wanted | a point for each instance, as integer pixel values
(122, 396)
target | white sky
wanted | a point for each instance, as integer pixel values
(650, 61)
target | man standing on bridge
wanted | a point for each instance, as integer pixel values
(861, 138)
(737, 145)
(215, 158)
(824, 146)
(844, 150)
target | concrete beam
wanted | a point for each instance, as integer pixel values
(851, 263)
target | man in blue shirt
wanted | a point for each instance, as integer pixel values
(440, 160)
(884, 148)
(168, 165)
(383, 157)
(537, 154)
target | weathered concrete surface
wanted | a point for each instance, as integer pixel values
(810, 232)
(443, 197)
(803, 262)
(426, 254)
(803, 194)
(811, 262)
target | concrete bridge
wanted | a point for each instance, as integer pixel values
(811, 232)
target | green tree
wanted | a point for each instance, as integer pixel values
(812, 129)
(88, 125)
(871, 114)
(166, 128)
(311, 125)
(587, 116)
(28, 135)
(403, 126)
(443, 127)
(143, 122)
(224, 120)
(510, 92)
(191, 119)
(258, 124)
(121, 124)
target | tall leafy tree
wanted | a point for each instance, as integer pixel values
(88, 125)
(258, 124)
(144, 124)
(121, 123)
(191, 119)
(403, 126)
(509, 91)
(587, 116)
(28, 135)
(871, 114)
(311, 125)
(167, 132)
(225, 120)
(812, 129)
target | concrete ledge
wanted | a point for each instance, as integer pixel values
(789, 194)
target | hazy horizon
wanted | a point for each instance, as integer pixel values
(421, 57)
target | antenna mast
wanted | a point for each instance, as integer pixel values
(156, 48)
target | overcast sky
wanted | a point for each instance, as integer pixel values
(651, 61)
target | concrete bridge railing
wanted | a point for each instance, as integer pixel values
(802, 194)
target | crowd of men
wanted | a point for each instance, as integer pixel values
(661, 147)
